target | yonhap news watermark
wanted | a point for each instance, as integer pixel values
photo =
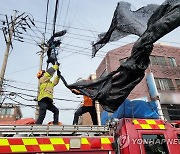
(125, 140)
(155, 141)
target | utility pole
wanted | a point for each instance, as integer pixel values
(6, 54)
(11, 30)
(40, 68)
(154, 93)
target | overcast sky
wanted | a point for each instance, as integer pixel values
(83, 20)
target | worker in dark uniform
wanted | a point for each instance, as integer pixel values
(45, 97)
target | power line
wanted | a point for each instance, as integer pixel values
(66, 12)
(47, 9)
(30, 90)
(99, 32)
(21, 88)
(55, 16)
(20, 103)
(62, 2)
(19, 95)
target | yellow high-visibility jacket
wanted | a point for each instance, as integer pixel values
(47, 86)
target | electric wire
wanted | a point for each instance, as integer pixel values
(117, 41)
(60, 11)
(67, 10)
(30, 90)
(19, 95)
(55, 16)
(47, 10)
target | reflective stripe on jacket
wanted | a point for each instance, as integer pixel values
(47, 86)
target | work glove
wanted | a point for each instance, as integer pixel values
(58, 73)
(57, 63)
(75, 91)
(35, 99)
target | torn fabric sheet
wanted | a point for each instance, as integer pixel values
(113, 89)
(125, 22)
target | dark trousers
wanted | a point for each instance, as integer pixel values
(44, 105)
(84, 109)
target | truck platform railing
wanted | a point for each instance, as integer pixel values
(50, 130)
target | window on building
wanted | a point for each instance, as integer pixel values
(171, 111)
(122, 60)
(158, 60)
(3, 111)
(164, 84)
(12, 111)
(177, 83)
(154, 143)
(174, 112)
(153, 60)
(7, 111)
(172, 61)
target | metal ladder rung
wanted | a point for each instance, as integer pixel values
(51, 129)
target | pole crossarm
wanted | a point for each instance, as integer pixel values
(11, 30)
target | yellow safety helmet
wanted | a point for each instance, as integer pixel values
(40, 74)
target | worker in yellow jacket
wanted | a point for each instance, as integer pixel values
(45, 97)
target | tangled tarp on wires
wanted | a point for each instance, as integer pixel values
(52, 44)
(113, 89)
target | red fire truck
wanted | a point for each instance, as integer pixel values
(119, 136)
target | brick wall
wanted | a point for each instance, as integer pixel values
(111, 62)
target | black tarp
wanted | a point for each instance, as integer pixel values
(113, 89)
(125, 22)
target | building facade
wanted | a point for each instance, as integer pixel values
(10, 112)
(165, 67)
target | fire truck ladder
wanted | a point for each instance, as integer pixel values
(51, 130)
